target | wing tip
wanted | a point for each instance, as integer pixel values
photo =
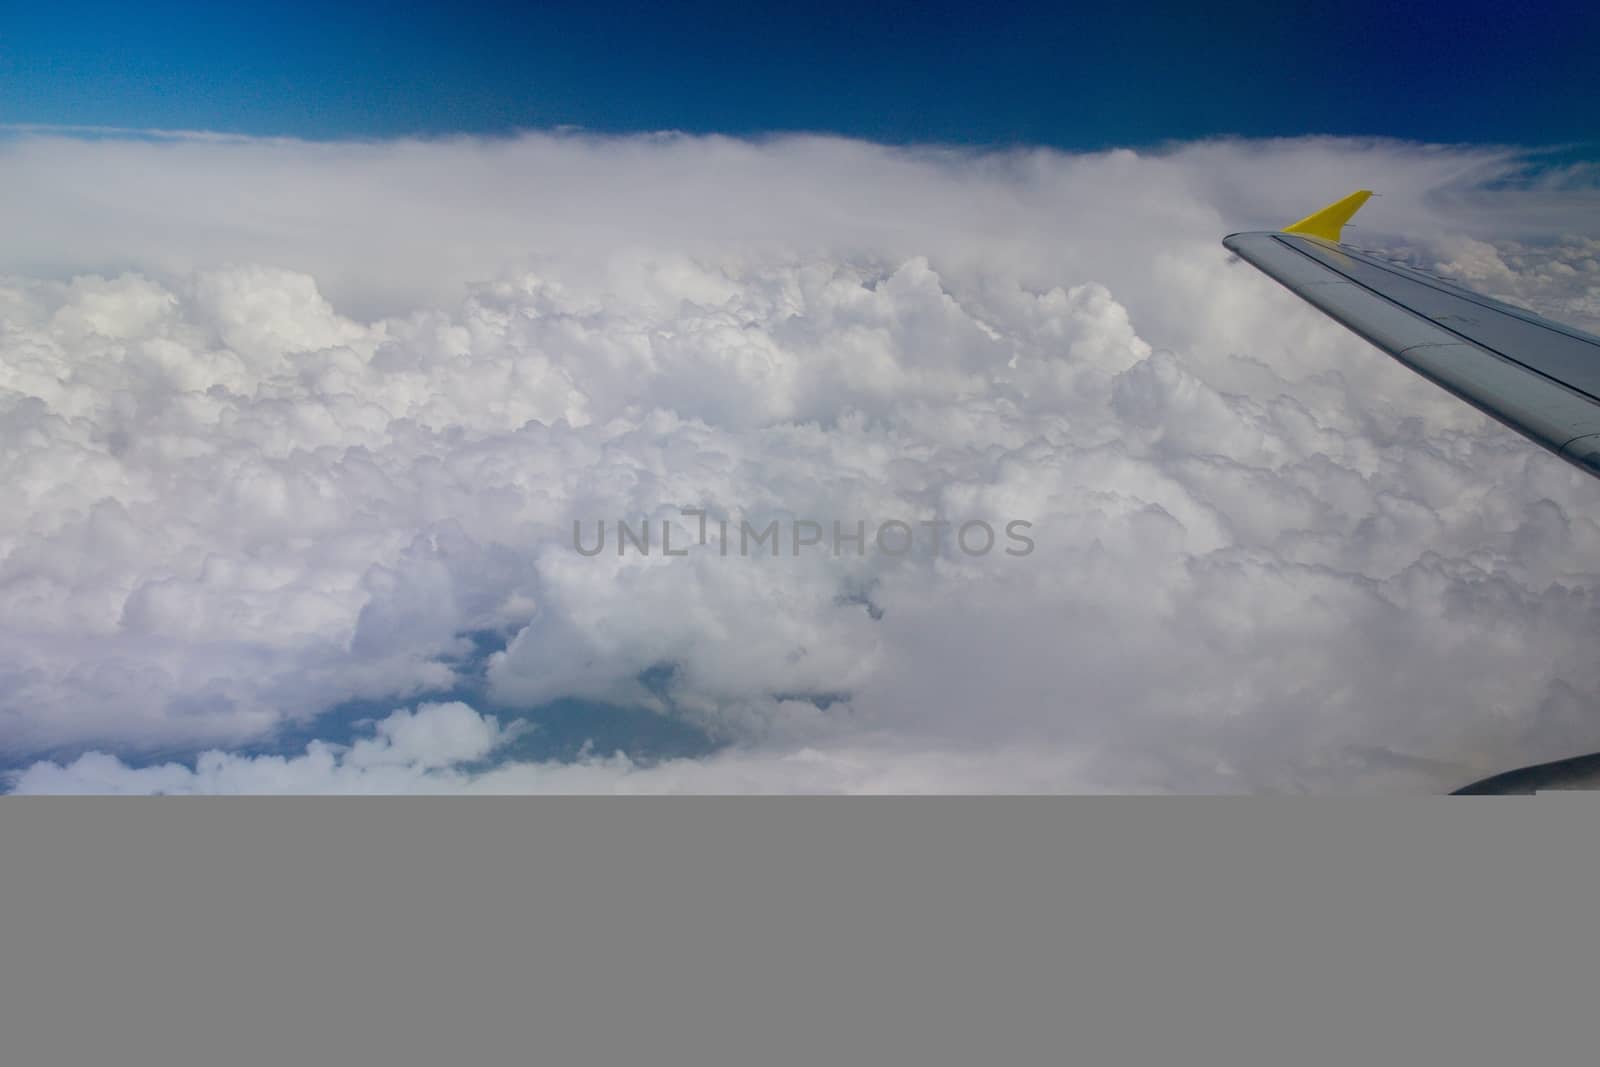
(1329, 223)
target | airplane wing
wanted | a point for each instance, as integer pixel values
(1539, 377)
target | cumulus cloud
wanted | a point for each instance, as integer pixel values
(441, 748)
(284, 425)
(409, 751)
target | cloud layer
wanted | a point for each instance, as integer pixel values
(284, 424)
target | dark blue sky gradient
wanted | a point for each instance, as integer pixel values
(897, 72)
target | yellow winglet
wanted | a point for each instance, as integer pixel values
(1327, 223)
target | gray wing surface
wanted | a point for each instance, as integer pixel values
(1539, 377)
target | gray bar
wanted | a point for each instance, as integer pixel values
(760, 931)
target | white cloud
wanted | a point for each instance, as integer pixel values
(409, 751)
(281, 422)
(425, 752)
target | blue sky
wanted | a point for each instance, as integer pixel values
(894, 72)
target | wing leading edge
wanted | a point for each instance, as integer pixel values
(1539, 377)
